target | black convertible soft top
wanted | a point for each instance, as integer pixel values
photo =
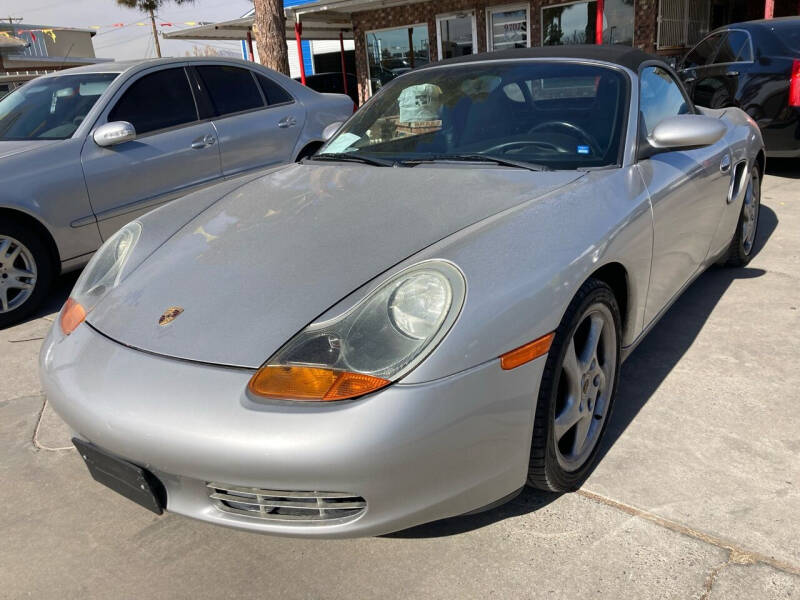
(625, 56)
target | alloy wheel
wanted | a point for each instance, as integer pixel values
(17, 274)
(750, 210)
(585, 387)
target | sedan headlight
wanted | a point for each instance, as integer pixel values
(371, 345)
(103, 273)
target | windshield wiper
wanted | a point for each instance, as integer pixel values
(347, 156)
(505, 162)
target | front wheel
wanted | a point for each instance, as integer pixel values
(26, 271)
(577, 390)
(740, 250)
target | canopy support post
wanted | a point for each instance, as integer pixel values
(250, 53)
(344, 67)
(298, 33)
(598, 24)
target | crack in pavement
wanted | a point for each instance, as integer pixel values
(736, 554)
(35, 439)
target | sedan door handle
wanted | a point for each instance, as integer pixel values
(732, 73)
(690, 79)
(287, 122)
(204, 142)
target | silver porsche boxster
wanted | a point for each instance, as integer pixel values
(420, 319)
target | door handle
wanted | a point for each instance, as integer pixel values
(287, 122)
(690, 79)
(725, 164)
(204, 142)
(732, 73)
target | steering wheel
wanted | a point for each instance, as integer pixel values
(511, 146)
(572, 128)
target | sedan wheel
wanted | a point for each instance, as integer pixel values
(26, 271)
(17, 274)
(577, 390)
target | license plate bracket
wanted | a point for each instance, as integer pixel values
(134, 483)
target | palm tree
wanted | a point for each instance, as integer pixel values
(150, 7)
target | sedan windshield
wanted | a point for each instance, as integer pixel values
(556, 115)
(51, 107)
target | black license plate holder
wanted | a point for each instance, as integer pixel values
(132, 482)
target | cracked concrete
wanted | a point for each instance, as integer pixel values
(696, 496)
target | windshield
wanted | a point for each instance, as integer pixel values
(556, 115)
(51, 107)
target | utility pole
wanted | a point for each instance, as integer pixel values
(11, 20)
(155, 33)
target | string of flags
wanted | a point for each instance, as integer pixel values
(147, 24)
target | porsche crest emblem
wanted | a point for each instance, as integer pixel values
(169, 315)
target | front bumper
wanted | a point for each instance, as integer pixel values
(415, 453)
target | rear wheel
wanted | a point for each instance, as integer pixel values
(577, 390)
(26, 271)
(740, 250)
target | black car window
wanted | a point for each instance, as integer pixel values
(274, 93)
(703, 53)
(157, 101)
(660, 98)
(734, 47)
(231, 89)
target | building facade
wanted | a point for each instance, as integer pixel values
(394, 37)
(43, 49)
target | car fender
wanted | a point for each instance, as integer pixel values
(56, 196)
(524, 265)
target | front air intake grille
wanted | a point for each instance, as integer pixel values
(295, 507)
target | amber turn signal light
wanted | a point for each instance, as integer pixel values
(312, 384)
(72, 315)
(526, 353)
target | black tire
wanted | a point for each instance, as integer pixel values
(45, 271)
(739, 251)
(545, 471)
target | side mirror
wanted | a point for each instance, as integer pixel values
(328, 132)
(114, 133)
(683, 132)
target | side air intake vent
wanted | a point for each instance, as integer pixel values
(282, 506)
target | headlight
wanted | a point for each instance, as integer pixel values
(103, 273)
(371, 345)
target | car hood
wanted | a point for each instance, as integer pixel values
(266, 259)
(12, 147)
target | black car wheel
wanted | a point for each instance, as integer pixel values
(577, 390)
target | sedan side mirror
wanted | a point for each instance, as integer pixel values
(114, 133)
(683, 132)
(328, 132)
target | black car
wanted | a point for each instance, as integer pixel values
(756, 66)
(332, 83)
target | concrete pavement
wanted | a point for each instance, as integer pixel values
(697, 494)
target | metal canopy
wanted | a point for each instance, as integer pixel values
(237, 29)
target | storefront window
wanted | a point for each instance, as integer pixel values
(507, 27)
(575, 23)
(618, 22)
(457, 35)
(392, 52)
